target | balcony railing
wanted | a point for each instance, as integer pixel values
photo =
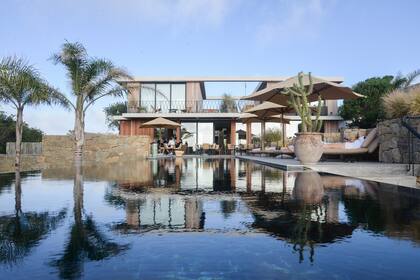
(195, 106)
(199, 106)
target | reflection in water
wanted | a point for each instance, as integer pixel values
(21, 232)
(86, 241)
(192, 218)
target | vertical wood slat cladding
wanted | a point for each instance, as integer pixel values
(133, 127)
(233, 132)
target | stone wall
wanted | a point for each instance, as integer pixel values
(99, 148)
(394, 142)
(29, 163)
(28, 148)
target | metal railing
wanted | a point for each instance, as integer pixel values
(413, 133)
(194, 106)
(199, 106)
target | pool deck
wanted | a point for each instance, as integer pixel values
(395, 174)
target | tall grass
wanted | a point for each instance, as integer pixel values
(400, 103)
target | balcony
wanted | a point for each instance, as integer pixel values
(194, 106)
(200, 106)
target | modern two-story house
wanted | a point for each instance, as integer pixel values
(206, 119)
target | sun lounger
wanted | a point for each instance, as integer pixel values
(370, 145)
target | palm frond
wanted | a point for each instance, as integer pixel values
(411, 77)
(116, 91)
(19, 80)
(74, 58)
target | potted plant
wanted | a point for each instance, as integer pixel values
(308, 144)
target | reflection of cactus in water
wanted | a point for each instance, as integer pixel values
(308, 232)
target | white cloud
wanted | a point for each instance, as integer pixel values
(292, 20)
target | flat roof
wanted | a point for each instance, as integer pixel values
(218, 79)
(205, 116)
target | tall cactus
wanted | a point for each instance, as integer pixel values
(298, 94)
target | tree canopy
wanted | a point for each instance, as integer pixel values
(365, 112)
(7, 132)
(115, 109)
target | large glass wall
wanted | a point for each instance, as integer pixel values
(189, 133)
(178, 96)
(205, 133)
(147, 100)
(199, 133)
(163, 97)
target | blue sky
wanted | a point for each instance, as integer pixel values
(352, 39)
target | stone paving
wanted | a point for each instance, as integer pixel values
(395, 174)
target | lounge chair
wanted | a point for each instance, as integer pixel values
(369, 145)
(231, 149)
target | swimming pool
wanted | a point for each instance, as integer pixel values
(205, 218)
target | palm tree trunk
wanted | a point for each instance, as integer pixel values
(19, 127)
(79, 130)
(18, 194)
(78, 194)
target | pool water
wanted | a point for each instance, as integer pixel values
(205, 219)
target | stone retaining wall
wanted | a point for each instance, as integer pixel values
(29, 163)
(99, 148)
(394, 142)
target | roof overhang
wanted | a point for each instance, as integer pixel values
(204, 116)
(162, 79)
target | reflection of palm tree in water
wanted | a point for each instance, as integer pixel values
(86, 242)
(20, 232)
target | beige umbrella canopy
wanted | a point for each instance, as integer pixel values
(251, 118)
(326, 89)
(161, 123)
(269, 109)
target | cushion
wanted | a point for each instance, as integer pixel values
(373, 145)
(334, 151)
(370, 137)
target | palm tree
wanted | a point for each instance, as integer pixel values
(403, 81)
(21, 85)
(90, 79)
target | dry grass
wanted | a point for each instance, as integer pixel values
(415, 103)
(400, 103)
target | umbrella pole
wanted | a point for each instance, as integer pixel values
(262, 135)
(283, 128)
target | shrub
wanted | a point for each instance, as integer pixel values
(397, 103)
(400, 103)
(415, 102)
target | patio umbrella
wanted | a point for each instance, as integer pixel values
(251, 118)
(326, 89)
(161, 123)
(268, 109)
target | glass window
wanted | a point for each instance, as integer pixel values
(205, 133)
(163, 97)
(178, 97)
(147, 97)
(189, 133)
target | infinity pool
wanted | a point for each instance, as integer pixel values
(205, 219)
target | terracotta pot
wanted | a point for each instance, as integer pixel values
(308, 188)
(308, 147)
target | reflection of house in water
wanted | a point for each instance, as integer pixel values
(153, 211)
